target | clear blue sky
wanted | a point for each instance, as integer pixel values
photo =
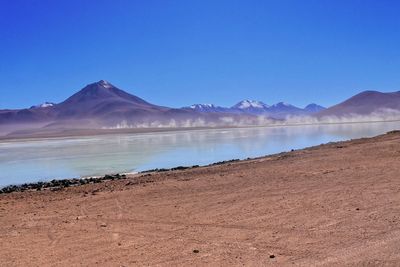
(177, 53)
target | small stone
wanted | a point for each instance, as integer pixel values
(357, 208)
(196, 251)
(271, 256)
(103, 225)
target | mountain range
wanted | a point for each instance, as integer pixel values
(277, 111)
(102, 105)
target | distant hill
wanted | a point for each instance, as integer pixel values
(312, 108)
(365, 103)
(282, 110)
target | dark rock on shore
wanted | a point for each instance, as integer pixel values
(179, 168)
(55, 185)
(59, 184)
(224, 162)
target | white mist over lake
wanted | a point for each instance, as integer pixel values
(38, 160)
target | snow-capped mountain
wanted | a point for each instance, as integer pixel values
(253, 107)
(202, 106)
(43, 105)
(250, 104)
(206, 108)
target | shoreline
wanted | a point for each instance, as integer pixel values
(57, 184)
(86, 133)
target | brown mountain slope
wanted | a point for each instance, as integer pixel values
(365, 103)
(102, 99)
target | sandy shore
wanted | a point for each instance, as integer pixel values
(336, 204)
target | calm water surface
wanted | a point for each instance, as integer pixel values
(34, 160)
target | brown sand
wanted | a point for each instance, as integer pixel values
(337, 204)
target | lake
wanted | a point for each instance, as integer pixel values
(25, 161)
